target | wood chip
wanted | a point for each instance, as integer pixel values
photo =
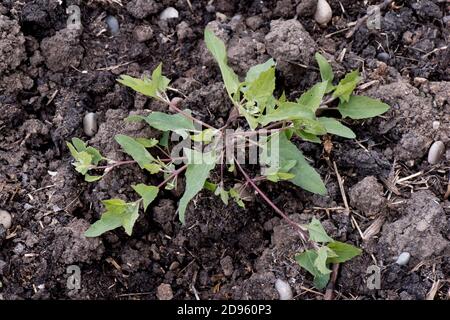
(374, 228)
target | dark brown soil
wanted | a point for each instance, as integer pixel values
(50, 77)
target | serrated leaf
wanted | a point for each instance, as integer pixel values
(196, 175)
(83, 163)
(147, 143)
(153, 168)
(346, 86)
(317, 232)
(135, 118)
(210, 186)
(218, 50)
(261, 89)
(220, 191)
(236, 197)
(313, 97)
(96, 156)
(285, 175)
(79, 144)
(164, 140)
(287, 111)
(307, 136)
(224, 197)
(85, 157)
(254, 72)
(288, 165)
(149, 87)
(170, 122)
(361, 107)
(335, 127)
(326, 72)
(160, 82)
(277, 154)
(321, 261)
(310, 126)
(136, 150)
(306, 260)
(282, 98)
(89, 178)
(72, 150)
(343, 251)
(118, 213)
(147, 193)
(321, 281)
(144, 86)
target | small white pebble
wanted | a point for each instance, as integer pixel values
(403, 259)
(284, 289)
(323, 12)
(5, 219)
(169, 13)
(90, 124)
(113, 24)
(436, 125)
(436, 152)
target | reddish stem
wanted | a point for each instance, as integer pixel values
(302, 231)
(173, 105)
(174, 174)
(115, 164)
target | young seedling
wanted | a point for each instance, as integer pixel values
(272, 124)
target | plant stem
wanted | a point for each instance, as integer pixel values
(174, 174)
(113, 165)
(261, 131)
(299, 228)
(173, 105)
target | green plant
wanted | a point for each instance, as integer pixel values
(276, 121)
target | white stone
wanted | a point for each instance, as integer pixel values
(403, 259)
(323, 12)
(284, 289)
(169, 13)
(90, 124)
(436, 152)
(113, 24)
(5, 219)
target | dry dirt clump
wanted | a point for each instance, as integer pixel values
(71, 246)
(411, 117)
(289, 44)
(367, 196)
(418, 231)
(12, 44)
(63, 50)
(141, 9)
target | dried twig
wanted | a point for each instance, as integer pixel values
(329, 293)
(374, 228)
(447, 194)
(341, 188)
(434, 289)
(363, 19)
(302, 231)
